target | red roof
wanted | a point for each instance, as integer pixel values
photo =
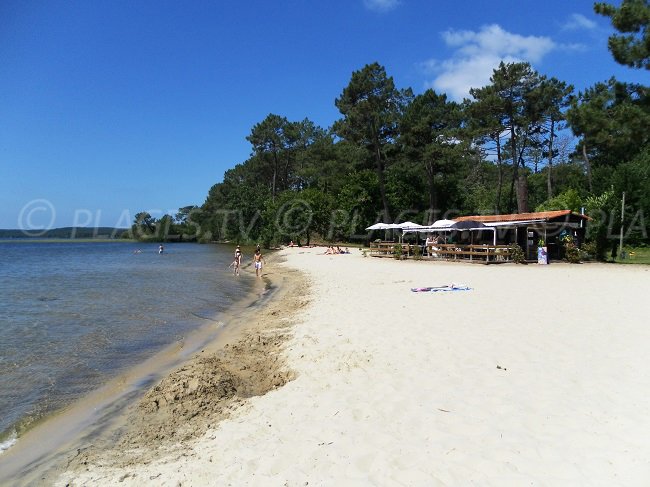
(516, 217)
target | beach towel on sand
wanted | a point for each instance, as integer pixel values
(435, 289)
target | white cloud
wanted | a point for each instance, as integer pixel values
(574, 46)
(579, 21)
(477, 54)
(381, 5)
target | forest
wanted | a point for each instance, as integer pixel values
(524, 142)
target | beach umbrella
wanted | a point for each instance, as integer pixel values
(408, 225)
(443, 223)
(404, 226)
(467, 225)
(379, 226)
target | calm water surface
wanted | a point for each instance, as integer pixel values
(72, 315)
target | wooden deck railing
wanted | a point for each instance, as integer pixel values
(478, 253)
(474, 253)
(386, 249)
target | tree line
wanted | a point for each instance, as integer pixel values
(524, 142)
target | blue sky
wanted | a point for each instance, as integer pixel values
(113, 107)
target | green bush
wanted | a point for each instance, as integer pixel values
(397, 251)
(588, 250)
(417, 252)
(571, 250)
(517, 254)
(603, 210)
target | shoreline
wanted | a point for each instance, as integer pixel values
(536, 374)
(71, 330)
(103, 413)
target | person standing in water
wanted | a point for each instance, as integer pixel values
(258, 258)
(237, 261)
(161, 249)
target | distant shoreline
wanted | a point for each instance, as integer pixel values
(63, 232)
(66, 240)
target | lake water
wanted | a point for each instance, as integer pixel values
(73, 315)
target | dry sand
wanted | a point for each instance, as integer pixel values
(537, 376)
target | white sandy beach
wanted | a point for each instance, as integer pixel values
(539, 375)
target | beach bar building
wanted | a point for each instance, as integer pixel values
(489, 238)
(530, 229)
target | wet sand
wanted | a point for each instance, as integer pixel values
(537, 375)
(109, 415)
